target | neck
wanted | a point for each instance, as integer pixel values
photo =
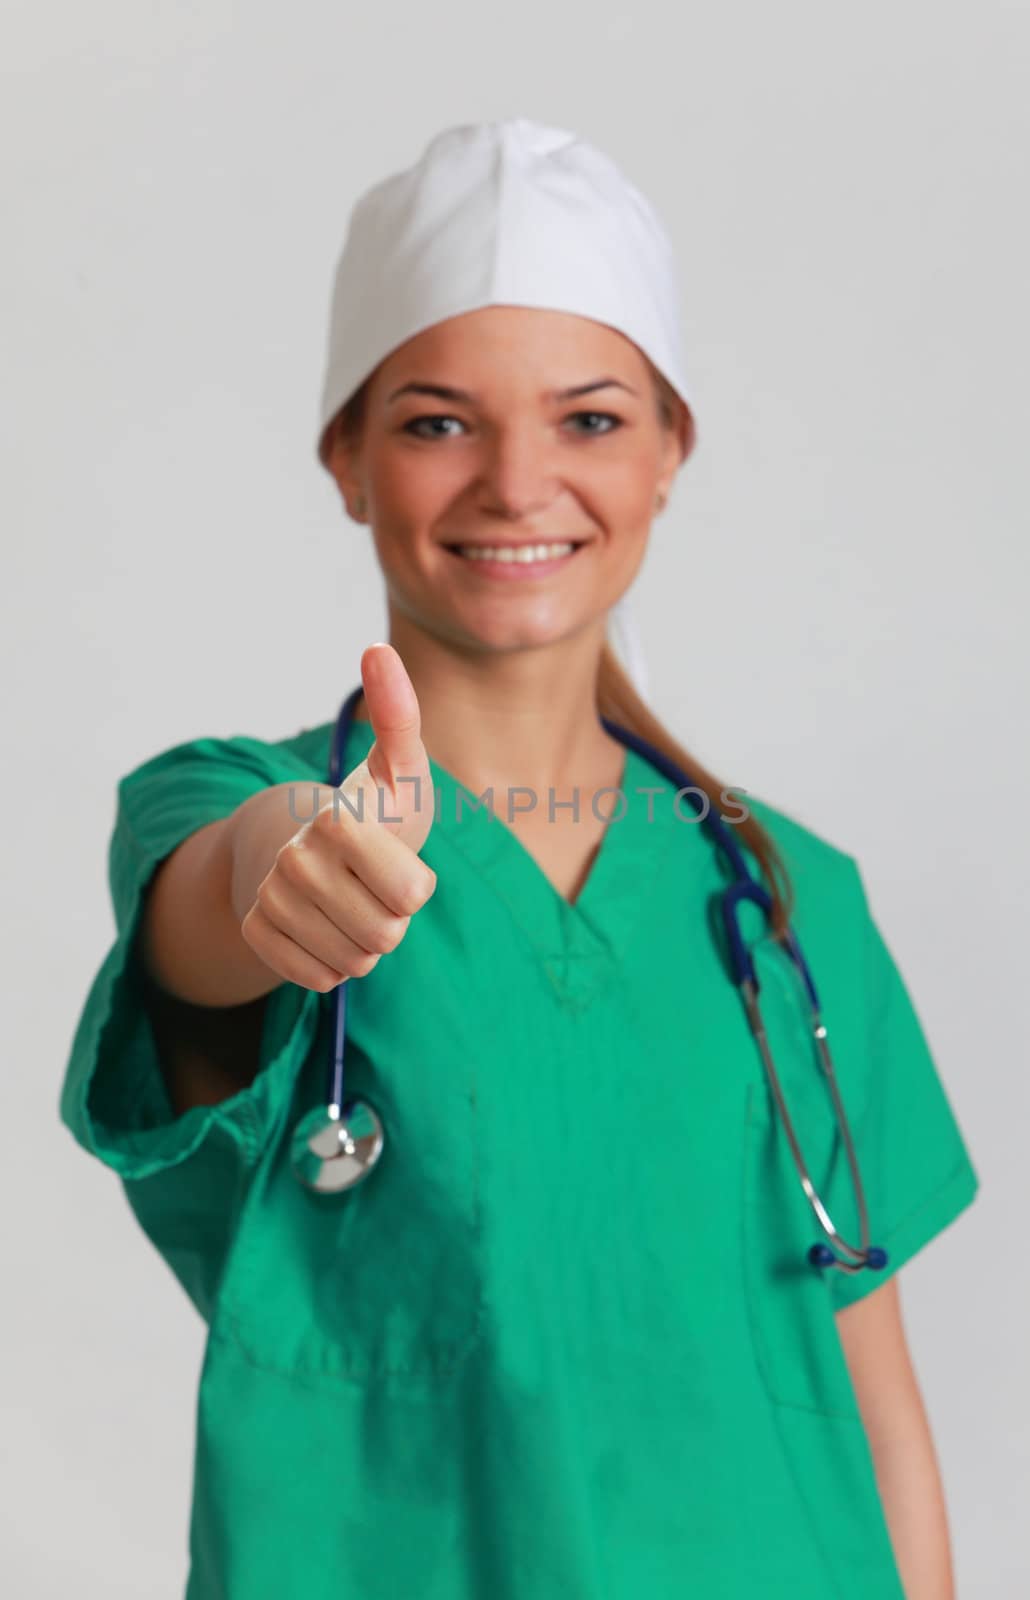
(520, 717)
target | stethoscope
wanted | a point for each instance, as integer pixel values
(336, 1145)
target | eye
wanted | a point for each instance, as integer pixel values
(434, 422)
(416, 422)
(602, 416)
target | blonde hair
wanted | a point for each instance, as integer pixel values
(617, 699)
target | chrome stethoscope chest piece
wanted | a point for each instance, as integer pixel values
(332, 1152)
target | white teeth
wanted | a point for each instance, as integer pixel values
(521, 553)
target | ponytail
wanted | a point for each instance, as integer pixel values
(619, 701)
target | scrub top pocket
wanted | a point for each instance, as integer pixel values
(379, 1280)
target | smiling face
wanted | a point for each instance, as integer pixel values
(517, 428)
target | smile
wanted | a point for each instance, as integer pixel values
(534, 557)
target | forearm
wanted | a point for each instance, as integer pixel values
(891, 1404)
(191, 943)
(913, 1500)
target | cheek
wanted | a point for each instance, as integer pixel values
(394, 544)
(625, 489)
(414, 486)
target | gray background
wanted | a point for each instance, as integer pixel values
(833, 605)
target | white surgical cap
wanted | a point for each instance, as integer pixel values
(508, 212)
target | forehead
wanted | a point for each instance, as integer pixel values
(555, 346)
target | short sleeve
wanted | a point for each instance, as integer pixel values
(184, 1175)
(915, 1165)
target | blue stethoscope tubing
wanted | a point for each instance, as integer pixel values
(339, 1121)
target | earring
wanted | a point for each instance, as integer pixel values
(660, 502)
(359, 506)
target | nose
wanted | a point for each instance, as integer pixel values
(518, 476)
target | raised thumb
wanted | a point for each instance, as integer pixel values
(393, 711)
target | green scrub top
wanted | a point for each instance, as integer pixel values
(563, 1342)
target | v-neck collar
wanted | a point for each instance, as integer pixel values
(578, 942)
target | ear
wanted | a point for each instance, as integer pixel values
(341, 462)
(673, 456)
(686, 431)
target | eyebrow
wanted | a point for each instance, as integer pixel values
(444, 391)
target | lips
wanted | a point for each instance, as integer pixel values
(526, 559)
(507, 544)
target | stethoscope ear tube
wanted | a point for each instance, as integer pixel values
(821, 1254)
(746, 887)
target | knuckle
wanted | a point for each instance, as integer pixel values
(259, 931)
(250, 927)
(268, 903)
(414, 891)
(329, 819)
(266, 894)
(293, 863)
(389, 933)
(359, 966)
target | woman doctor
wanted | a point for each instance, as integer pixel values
(564, 1338)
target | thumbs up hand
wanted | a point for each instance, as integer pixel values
(394, 780)
(343, 890)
